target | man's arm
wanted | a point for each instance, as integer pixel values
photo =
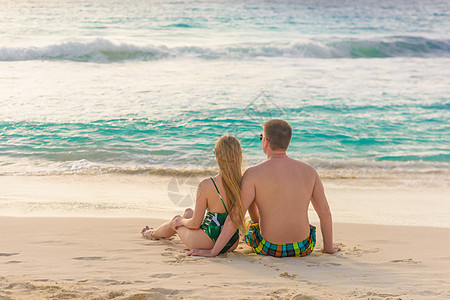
(253, 212)
(247, 198)
(320, 204)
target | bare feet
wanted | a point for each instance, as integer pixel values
(147, 233)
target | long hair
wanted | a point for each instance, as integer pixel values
(229, 158)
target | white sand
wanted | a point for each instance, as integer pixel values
(421, 201)
(105, 258)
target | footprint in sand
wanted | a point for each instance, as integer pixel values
(288, 276)
(46, 280)
(20, 286)
(278, 294)
(359, 252)
(302, 297)
(89, 258)
(182, 258)
(380, 295)
(115, 282)
(161, 291)
(409, 261)
(8, 254)
(114, 294)
(66, 295)
(162, 275)
(153, 244)
(313, 265)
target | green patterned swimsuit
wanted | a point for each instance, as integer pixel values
(213, 223)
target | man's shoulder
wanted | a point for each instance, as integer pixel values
(305, 167)
(303, 164)
(253, 171)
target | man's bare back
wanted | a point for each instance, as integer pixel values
(277, 193)
(283, 189)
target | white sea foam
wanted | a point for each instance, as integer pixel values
(103, 50)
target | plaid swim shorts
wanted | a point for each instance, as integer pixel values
(259, 245)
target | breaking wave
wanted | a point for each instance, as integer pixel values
(104, 51)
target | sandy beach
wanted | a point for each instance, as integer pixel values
(66, 255)
(105, 258)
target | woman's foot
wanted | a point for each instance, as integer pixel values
(147, 233)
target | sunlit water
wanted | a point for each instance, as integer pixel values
(148, 86)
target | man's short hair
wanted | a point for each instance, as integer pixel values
(279, 134)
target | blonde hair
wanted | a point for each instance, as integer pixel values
(229, 158)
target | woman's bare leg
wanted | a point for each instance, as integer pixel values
(164, 230)
(194, 238)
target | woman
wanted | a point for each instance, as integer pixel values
(220, 196)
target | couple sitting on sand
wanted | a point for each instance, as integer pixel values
(276, 193)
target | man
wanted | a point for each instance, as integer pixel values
(277, 193)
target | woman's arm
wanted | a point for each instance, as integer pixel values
(201, 204)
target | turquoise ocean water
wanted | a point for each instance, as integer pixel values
(96, 86)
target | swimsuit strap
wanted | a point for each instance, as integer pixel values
(220, 196)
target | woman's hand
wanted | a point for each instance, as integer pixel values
(201, 252)
(176, 222)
